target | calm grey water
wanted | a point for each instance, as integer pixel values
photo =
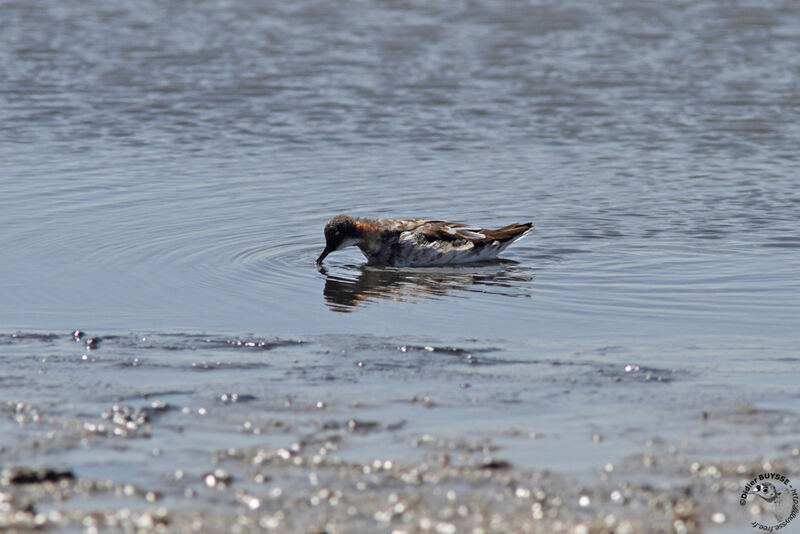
(167, 169)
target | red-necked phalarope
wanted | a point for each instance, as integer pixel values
(418, 242)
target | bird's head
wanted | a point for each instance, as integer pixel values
(765, 490)
(340, 232)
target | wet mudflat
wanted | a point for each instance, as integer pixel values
(182, 433)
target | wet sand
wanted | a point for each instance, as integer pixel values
(304, 487)
(167, 455)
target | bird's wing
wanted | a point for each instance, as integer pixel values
(510, 232)
(450, 231)
(447, 231)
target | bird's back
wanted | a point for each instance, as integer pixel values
(446, 243)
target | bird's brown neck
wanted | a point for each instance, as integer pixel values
(366, 228)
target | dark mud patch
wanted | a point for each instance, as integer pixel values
(13, 476)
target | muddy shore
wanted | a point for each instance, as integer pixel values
(133, 434)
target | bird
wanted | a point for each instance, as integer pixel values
(778, 502)
(418, 242)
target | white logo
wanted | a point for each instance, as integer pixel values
(775, 490)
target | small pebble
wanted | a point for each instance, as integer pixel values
(218, 479)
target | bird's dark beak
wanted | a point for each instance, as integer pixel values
(322, 256)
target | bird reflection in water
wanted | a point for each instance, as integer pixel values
(343, 293)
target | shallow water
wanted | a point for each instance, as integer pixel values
(168, 169)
